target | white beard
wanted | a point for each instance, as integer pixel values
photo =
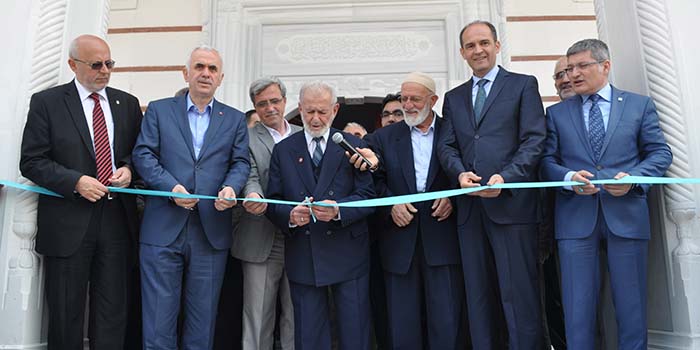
(419, 118)
(318, 133)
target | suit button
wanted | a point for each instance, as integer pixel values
(476, 137)
(599, 167)
(301, 193)
(329, 232)
(330, 193)
(307, 232)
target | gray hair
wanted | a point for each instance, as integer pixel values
(74, 45)
(202, 47)
(599, 50)
(492, 28)
(318, 86)
(356, 125)
(263, 83)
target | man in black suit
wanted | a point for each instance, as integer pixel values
(77, 141)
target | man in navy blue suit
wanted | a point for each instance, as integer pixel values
(188, 144)
(602, 133)
(494, 132)
(326, 245)
(419, 247)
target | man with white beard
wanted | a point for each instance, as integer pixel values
(419, 247)
(326, 246)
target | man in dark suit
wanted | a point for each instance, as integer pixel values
(494, 133)
(78, 140)
(188, 144)
(333, 249)
(603, 133)
(419, 246)
(256, 241)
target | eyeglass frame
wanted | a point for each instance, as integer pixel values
(398, 113)
(581, 66)
(560, 74)
(93, 65)
(273, 101)
(415, 99)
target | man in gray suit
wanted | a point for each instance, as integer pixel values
(256, 241)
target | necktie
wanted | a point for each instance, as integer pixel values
(596, 129)
(318, 153)
(480, 99)
(103, 155)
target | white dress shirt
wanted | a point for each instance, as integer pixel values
(88, 105)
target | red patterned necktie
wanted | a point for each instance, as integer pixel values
(103, 155)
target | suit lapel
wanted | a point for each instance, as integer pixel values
(617, 105)
(75, 108)
(116, 106)
(434, 162)
(180, 116)
(264, 137)
(303, 161)
(468, 106)
(331, 160)
(216, 119)
(404, 149)
(576, 114)
(496, 87)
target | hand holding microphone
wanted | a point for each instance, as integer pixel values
(362, 158)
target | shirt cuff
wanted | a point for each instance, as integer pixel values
(568, 177)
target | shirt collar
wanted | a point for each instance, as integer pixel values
(288, 129)
(84, 93)
(490, 76)
(191, 104)
(605, 93)
(310, 139)
(432, 126)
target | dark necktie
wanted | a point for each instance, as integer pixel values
(318, 153)
(480, 99)
(103, 155)
(596, 128)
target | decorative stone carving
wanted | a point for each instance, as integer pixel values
(601, 20)
(353, 47)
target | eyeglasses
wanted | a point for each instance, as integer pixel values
(265, 103)
(581, 66)
(414, 99)
(97, 65)
(559, 75)
(396, 113)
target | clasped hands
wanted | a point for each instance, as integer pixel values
(589, 188)
(301, 214)
(468, 179)
(403, 214)
(93, 190)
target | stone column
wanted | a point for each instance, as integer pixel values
(655, 53)
(35, 59)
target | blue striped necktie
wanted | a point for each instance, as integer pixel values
(596, 128)
(318, 152)
(480, 99)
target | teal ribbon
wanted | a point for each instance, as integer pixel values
(378, 202)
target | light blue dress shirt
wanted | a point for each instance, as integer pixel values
(422, 143)
(491, 76)
(604, 104)
(199, 123)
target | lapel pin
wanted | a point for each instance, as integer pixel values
(301, 159)
(221, 113)
(117, 101)
(619, 99)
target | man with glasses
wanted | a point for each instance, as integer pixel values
(561, 80)
(494, 132)
(192, 144)
(256, 241)
(77, 141)
(391, 110)
(604, 133)
(418, 245)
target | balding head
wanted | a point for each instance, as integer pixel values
(85, 53)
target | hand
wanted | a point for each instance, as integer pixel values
(492, 192)
(587, 189)
(359, 163)
(187, 203)
(255, 208)
(469, 179)
(90, 188)
(300, 215)
(121, 178)
(442, 208)
(402, 214)
(618, 190)
(324, 213)
(221, 203)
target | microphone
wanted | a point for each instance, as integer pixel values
(339, 140)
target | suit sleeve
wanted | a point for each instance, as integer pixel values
(36, 163)
(253, 183)
(654, 152)
(134, 117)
(363, 188)
(146, 155)
(448, 146)
(532, 136)
(550, 167)
(239, 168)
